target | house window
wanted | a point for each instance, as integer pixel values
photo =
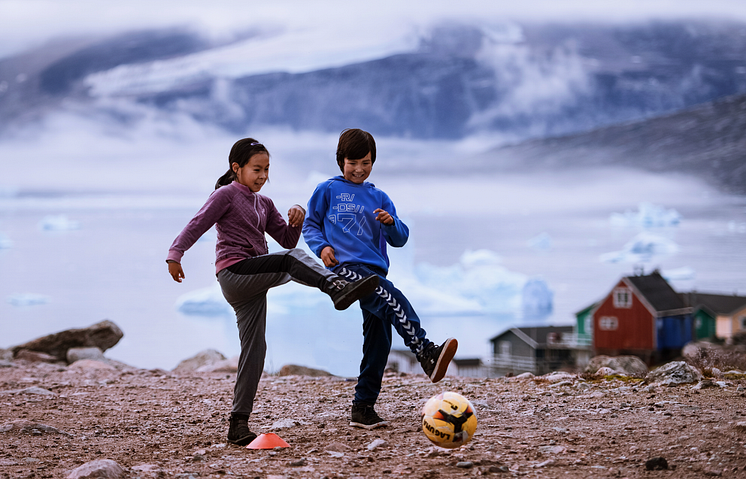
(622, 298)
(505, 348)
(608, 323)
(743, 322)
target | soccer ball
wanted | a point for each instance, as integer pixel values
(449, 420)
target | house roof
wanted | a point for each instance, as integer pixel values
(466, 362)
(535, 335)
(717, 303)
(657, 292)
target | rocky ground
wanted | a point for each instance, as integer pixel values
(153, 423)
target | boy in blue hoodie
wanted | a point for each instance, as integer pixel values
(348, 224)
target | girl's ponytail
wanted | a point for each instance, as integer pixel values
(241, 153)
(226, 179)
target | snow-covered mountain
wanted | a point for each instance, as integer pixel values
(449, 82)
(706, 141)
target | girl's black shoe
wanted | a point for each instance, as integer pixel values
(238, 431)
(363, 415)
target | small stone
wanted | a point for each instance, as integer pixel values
(465, 464)
(298, 463)
(375, 444)
(656, 464)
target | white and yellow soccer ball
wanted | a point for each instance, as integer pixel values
(449, 420)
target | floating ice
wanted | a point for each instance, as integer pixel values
(204, 302)
(478, 283)
(642, 249)
(5, 242)
(647, 216)
(679, 274)
(27, 299)
(58, 223)
(735, 227)
(540, 242)
(536, 299)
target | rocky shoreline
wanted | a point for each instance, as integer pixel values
(97, 418)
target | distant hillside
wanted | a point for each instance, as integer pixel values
(708, 141)
(453, 81)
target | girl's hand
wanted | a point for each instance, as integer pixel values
(327, 256)
(384, 217)
(296, 214)
(174, 269)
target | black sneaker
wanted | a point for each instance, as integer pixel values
(238, 432)
(344, 293)
(435, 359)
(363, 415)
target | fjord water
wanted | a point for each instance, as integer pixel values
(87, 241)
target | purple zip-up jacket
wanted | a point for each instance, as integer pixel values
(241, 218)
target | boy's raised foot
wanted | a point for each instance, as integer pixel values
(364, 415)
(435, 359)
(238, 431)
(344, 293)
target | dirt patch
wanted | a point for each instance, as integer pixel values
(159, 424)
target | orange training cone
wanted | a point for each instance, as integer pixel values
(267, 441)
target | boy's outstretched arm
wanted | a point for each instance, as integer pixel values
(394, 229)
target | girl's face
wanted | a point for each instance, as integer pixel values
(254, 173)
(357, 171)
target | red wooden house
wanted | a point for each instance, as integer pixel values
(642, 316)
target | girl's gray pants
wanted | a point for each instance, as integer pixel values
(245, 287)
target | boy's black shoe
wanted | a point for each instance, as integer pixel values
(238, 432)
(435, 359)
(363, 415)
(344, 293)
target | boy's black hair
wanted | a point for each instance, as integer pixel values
(355, 144)
(241, 153)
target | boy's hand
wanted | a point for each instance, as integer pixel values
(296, 214)
(384, 217)
(327, 256)
(175, 270)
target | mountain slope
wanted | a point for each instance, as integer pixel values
(707, 141)
(517, 81)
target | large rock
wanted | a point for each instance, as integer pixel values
(99, 469)
(627, 365)
(675, 373)
(229, 365)
(295, 370)
(207, 357)
(77, 354)
(101, 335)
(6, 355)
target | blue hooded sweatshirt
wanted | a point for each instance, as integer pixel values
(340, 215)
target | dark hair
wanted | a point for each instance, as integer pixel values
(241, 153)
(355, 144)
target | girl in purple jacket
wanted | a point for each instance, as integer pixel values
(246, 270)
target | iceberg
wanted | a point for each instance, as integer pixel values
(478, 283)
(207, 302)
(27, 299)
(58, 223)
(642, 249)
(536, 299)
(541, 242)
(647, 215)
(679, 274)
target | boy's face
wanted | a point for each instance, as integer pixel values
(357, 171)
